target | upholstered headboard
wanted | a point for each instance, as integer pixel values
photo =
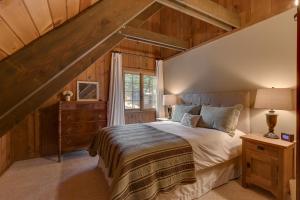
(223, 99)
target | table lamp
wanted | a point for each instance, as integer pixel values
(169, 100)
(273, 99)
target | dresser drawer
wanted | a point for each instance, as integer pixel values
(82, 128)
(262, 149)
(73, 142)
(82, 115)
(82, 106)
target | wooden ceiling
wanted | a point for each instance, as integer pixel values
(22, 21)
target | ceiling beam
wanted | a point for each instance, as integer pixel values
(206, 10)
(156, 39)
(38, 71)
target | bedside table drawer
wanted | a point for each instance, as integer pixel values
(262, 149)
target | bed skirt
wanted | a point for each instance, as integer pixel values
(207, 180)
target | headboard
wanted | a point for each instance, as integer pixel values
(223, 99)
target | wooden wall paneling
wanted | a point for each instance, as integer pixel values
(58, 11)
(9, 42)
(84, 4)
(15, 14)
(100, 73)
(260, 9)
(6, 157)
(72, 8)
(175, 24)
(91, 73)
(26, 139)
(40, 13)
(48, 130)
(2, 54)
(280, 6)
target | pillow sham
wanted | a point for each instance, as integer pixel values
(221, 118)
(190, 120)
(179, 111)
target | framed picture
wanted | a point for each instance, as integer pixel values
(87, 91)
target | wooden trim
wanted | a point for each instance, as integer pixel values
(27, 80)
(214, 10)
(153, 38)
(141, 19)
(199, 13)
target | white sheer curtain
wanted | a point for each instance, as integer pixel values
(116, 99)
(160, 110)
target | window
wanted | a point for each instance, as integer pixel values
(140, 91)
(149, 91)
(132, 91)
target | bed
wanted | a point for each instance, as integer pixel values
(213, 160)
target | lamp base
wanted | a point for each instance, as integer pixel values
(271, 135)
(169, 112)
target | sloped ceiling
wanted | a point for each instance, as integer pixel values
(22, 21)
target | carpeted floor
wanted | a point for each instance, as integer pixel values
(77, 178)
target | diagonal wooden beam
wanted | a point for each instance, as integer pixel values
(35, 73)
(206, 10)
(153, 38)
(141, 19)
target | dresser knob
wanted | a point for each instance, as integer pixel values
(248, 165)
(261, 148)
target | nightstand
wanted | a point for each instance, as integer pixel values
(268, 163)
(160, 119)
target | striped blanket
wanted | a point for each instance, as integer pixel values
(143, 161)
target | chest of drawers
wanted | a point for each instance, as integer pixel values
(78, 122)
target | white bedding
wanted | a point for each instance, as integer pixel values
(210, 147)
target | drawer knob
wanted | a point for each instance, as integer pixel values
(261, 148)
(248, 165)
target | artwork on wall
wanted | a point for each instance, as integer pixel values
(87, 91)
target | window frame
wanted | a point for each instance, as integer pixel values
(141, 74)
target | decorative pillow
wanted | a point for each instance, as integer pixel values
(221, 118)
(179, 111)
(190, 120)
(196, 110)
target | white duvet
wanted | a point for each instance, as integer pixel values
(210, 147)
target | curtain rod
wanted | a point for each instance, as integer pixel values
(134, 54)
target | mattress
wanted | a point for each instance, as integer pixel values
(215, 155)
(210, 147)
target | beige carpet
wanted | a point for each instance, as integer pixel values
(77, 178)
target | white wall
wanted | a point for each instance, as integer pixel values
(263, 55)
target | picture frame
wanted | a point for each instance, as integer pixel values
(87, 91)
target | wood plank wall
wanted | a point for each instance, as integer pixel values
(197, 32)
(24, 141)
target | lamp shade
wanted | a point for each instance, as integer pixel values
(274, 98)
(169, 100)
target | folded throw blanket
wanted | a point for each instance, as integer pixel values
(143, 161)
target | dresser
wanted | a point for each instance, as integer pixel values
(78, 122)
(268, 163)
